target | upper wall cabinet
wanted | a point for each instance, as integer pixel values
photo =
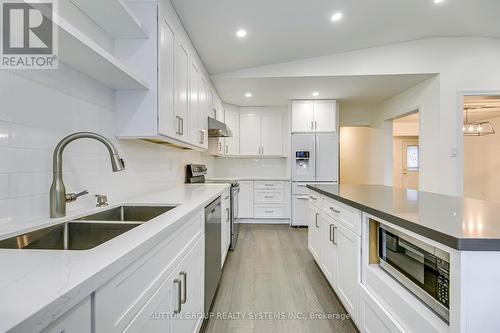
(261, 132)
(176, 107)
(232, 119)
(314, 116)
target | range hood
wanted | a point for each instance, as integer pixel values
(217, 129)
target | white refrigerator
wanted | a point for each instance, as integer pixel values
(315, 160)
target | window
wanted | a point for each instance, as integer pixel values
(412, 158)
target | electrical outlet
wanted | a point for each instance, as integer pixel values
(454, 152)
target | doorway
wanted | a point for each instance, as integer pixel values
(406, 147)
(481, 147)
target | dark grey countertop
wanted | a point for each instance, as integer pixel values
(461, 223)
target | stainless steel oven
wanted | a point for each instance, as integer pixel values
(423, 269)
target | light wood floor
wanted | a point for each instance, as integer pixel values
(272, 270)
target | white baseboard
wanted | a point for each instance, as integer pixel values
(264, 221)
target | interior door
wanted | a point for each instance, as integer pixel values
(302, 116)
(166, 100)
(325, 116)
(272, 133)
(250, 132)
(327, 157)
(410, 163)
(303, 160)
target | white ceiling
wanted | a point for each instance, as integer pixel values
(350, 91)
(284, 30)
(482, 107)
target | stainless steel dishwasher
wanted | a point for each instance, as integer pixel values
(213, 271)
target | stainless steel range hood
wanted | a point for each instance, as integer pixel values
(217, 129)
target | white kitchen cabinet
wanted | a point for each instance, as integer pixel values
(314, 232)
(245, 200)
(181, 83)
(314, 116)
(166, 99)
(190, 301)
(261, 133)
(226, 226)
(194, 104)
(272, 133)
(203, 113)
(232, 119)
(348, 247)
(373, 317)
(76, 320)
(216, 146)
(328, 255)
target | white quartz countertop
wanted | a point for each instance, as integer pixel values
(38, 286)
(221, 179)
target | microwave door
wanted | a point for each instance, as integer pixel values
(327, 152)
(303, 158)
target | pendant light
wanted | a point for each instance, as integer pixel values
(476, 128)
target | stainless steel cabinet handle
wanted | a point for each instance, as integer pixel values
(335, 210)
(333, 234)
(315, 124)
(269, 211)
(177, 282)
(226, 149)
(313, 198)
(183, 276)
(269, 196)
(269, 185)
(316, 220)
(303, 198)
(312, 125)
(182, 126)
(202, 137)
(227, 209)
(301, 185)
(262, 151)
(178, 125)
(220, 146)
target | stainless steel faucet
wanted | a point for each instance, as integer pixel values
(58, 196)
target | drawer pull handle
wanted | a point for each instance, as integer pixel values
(268, 184)
(269, 211)
(335, 210)
(313, 198)
(269, 196)
(177, 282)
(183, 276)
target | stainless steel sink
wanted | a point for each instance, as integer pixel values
(128, 214)
(87, 232)
(68, 236)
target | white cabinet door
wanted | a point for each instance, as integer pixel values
(226, 226)
(194, 104)
(181, 73)
(314, 232)
(272, 133)
(76, 320)
(245, 199)
(328, 254)
(325, 116)
(203, 114)
(300, 211)
(232, 119)
(302, 116)
(191, 277)
(348, 268)
(250, 132)
(166, 92)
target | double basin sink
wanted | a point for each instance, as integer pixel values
(86, 232)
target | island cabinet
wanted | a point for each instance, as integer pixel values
(76, 320)
(226, 226)
(174, 110)
(334, 240)
(161, 291)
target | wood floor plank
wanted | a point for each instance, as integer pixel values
(272, 274)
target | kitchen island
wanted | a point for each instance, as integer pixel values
(352, 237)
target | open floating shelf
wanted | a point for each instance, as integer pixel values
(80, 52)
(114, 17)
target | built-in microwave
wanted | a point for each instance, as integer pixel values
(421, 268)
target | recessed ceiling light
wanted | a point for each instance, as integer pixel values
(248, 95)
(241, 33)
(438, 1)
(336, 17)
(315, 94)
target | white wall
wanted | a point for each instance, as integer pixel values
(463, 64)
(39, 108)
(356, 157)
(482, 165)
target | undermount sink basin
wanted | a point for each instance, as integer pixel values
(68, 236)
(128, 214)
(86, 232)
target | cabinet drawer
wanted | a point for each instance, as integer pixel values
(348, 216)
(262, 196)
(269, 185)
(265, 211)
(76, 320)
(118, 301)
(315, 198)
(300, 188)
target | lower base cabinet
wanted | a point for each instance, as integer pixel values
(372, 316)
(76, 320)
(337, 250)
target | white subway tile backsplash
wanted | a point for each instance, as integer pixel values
(39, 108)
